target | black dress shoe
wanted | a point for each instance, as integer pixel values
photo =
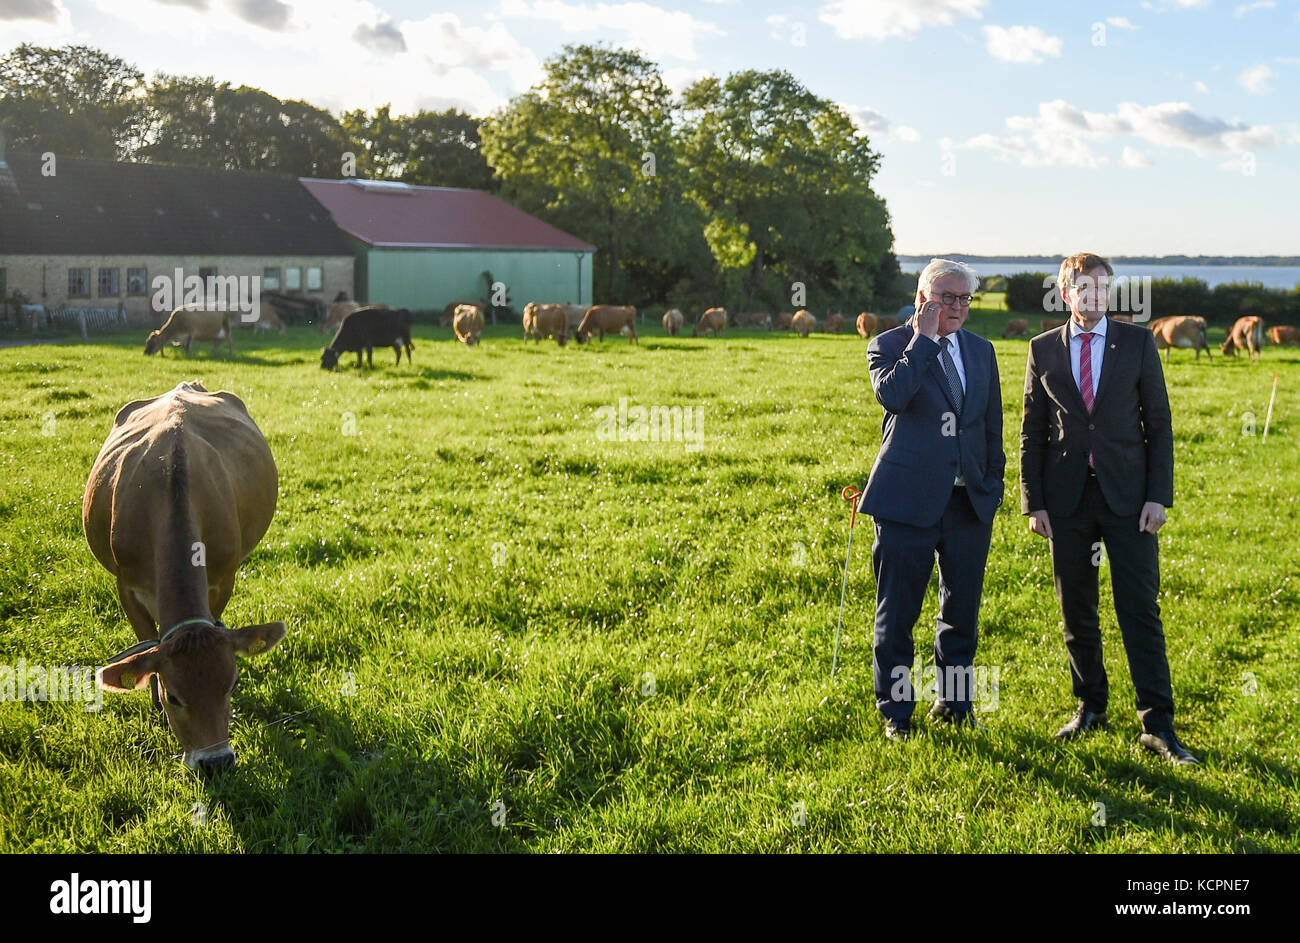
(898, 729)
(1166, 743)
(941, 713)
(1082, 721)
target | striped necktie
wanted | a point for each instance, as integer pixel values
(1085, 369)
(950, 371)
(1085, 376)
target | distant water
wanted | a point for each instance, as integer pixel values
(1271, 276)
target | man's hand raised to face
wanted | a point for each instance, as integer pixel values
(927, 319)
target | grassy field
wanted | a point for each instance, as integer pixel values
(510, 633)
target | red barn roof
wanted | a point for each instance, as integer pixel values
(390, 214)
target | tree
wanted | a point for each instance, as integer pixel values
(199, 122)
(591, 149)
(783, 179)
(431, 148)
(75, 101)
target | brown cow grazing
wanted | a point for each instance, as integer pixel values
(1016, 327)
(804, 323)
(1283, 335)
(182, 491)
(608, 319)
(673, 321)
(1248, 334)
(1185, 331)
(192, 323)
(714, 319)
(529, 320)
(834, 324)
(468, 325)
(1051, 324)
(759, 319)
(886, 322)
(338, 310)
(784, 321)
(449, 312)
(866, 324)
(549, 321)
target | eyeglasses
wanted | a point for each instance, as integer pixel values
(949, 298)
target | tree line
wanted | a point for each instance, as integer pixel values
(1222, 304)
(748, 191)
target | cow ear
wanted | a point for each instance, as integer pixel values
(256, 639)
(129, 674)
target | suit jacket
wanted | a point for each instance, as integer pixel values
(1129, 433)
(924, 444)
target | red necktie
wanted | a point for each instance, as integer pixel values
(1085, 376)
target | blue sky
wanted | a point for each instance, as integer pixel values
(1146, 127)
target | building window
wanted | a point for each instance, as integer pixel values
(314, 278)
(271, 279)
(137, 282)
(78, 283)
(108, 282)
(293, 278)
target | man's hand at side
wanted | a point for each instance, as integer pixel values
(1152, 517)
(1039, 524)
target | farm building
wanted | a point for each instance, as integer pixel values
(424, 247)
(93, 234)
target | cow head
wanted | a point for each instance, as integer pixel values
(153, 343)
(328, 358)
(195, 670)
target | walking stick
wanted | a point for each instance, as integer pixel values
(851, 495)
(1268, 418)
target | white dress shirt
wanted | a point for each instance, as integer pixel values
(1098, 351)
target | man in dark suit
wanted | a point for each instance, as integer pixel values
(935, 485)
(1097, 467)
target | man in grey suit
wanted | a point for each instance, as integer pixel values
(933, 490)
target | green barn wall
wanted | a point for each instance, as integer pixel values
(423, 279)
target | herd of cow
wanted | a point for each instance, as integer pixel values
(1189, 331)
(360, 328)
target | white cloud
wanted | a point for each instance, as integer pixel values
(1061, 135)
(881, 19)
(45, 22)
(1021, 44)
(1255, 79)
(1132, 157)
(1244, 8)
(1201, 87)
(1121, 22)
(680, 78)
(360, 56)
(657, 32)
(875, 125)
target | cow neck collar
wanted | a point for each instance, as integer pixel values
(155, 642)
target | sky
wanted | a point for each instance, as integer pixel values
(1153, 127)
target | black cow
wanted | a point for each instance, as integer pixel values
(368, 328)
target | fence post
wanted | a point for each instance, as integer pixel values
(81, 323)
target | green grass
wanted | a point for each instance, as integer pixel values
(529, 683)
